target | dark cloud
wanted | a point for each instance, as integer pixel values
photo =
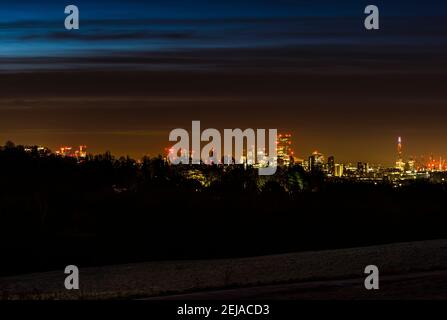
(110, 36)
(317, 59)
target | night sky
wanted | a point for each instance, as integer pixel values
(136, 70)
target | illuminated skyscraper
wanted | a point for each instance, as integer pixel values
(411, 165)
(284, 149)
(339, 170)
(316, 161)
(331, 165)
(65, 152)
(362, 168)
(400, 164)
(81, 153)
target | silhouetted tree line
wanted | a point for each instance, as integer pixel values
(56, 211)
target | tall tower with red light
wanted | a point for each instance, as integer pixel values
(400, 164)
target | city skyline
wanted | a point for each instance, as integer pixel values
(285, 152)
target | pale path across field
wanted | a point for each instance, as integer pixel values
(430, 285)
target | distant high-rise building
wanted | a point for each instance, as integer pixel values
(316, 161)
(331, 165)
(306, 165)
(284, 149)
(339, 170)
(65, 152)
(400, 164)
(81, 153)
(362, 168)
(411, 165)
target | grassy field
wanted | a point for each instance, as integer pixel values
(175, 277)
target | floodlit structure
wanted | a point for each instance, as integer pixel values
(284, 149)
(316, 161)
(400, 164)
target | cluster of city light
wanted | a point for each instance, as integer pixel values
(66, 151)
(403, 170)
(284, 152)
(437, 165)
